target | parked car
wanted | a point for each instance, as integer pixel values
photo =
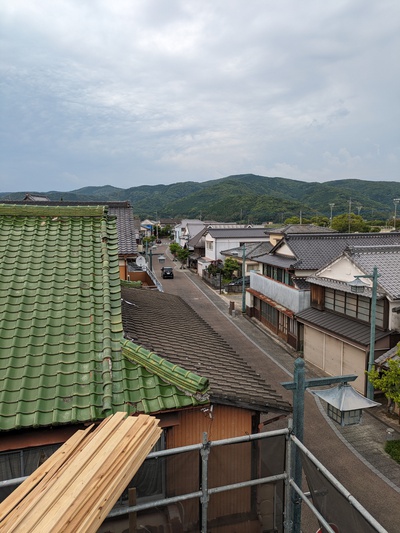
(239, 281)
(167, 272)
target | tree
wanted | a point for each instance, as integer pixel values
(230, 265)
(182, 255)
(388, 381)
(349, 223)
(174, 248)
(320, 221)
(216, 267)
(292, 220)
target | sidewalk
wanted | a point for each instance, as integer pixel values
(367, 439)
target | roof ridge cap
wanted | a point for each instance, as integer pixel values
(171, 373)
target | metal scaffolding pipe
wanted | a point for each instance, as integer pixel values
(355, 503)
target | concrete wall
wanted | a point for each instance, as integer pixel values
(289, 297)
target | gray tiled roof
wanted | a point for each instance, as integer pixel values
(342, 326)
(302, 228)
(125, 220)
(277, 260)
(313, 252)
(165, 324)
(260, 249)
(126, 229)
(238, 250)
(391, 354)
(386, 259)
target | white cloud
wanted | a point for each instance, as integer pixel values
(156, 92)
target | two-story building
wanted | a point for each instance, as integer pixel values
(281, 290)
(217, 240)
(336, 328)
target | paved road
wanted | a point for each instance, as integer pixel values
(367, 473)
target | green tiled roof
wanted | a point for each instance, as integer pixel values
(153, 384)
(61, 358)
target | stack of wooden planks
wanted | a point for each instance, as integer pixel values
(75, 489)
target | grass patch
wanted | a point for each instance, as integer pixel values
(135, 284)
(392, 447)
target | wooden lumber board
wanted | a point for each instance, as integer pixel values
(29, 503)
(80, 485)
(86, 507)
(97, 471)
(96, 512)
(96, 503)
(47, 494)
(45, 470)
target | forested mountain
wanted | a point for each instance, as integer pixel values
(245, 197)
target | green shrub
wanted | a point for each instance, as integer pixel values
(134, 284)
(392, 447)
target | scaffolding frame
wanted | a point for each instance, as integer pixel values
(287, 476)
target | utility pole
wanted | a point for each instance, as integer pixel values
(331, 206)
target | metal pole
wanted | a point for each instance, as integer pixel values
(298, 386)
(205, 452)
(339, 487)
(244, 279)
(371, 358)
(395, 201)
(331, 206)
(298, 429)
(287, 523)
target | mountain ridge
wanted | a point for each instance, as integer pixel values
(242, 197)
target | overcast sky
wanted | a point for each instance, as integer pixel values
(132, 92)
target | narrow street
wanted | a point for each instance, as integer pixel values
(275, 364)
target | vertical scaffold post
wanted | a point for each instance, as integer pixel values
(298, 429)
(205, 452)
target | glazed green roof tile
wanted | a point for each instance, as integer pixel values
(61, 335)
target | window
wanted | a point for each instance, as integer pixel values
(269, 313)
(283, 323)
(292, 326)
(353, 305)
(21, 463)
(278, 274)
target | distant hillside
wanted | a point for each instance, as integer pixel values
(244, 197)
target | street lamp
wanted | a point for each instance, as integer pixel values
(244, 279)
(395, 201)
(357, 286)
(342, 410)
(331, 206)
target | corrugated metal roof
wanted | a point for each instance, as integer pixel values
(183, 338)
(240, 233)
(61, 360)
(238, 250)
(341, 326)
